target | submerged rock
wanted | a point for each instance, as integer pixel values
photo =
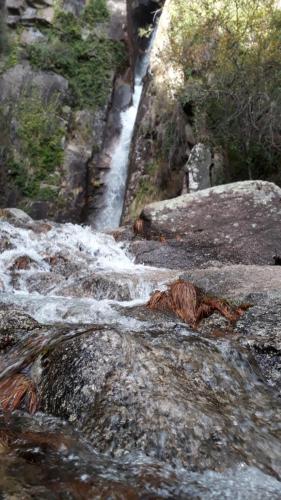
(170, 394)
(42, 457)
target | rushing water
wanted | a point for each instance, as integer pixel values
(197, 401)
(110, 215)
(72, 273)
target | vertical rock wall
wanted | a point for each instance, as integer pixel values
(57, 70)
(140, 15)
(160, 147)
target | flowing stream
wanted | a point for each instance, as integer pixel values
(176, 415)
(130, 404)
(110, 215)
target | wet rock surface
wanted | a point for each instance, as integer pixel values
(160, 410)
(44, 458)
(13, 325)
(259, 328)
(174, 396)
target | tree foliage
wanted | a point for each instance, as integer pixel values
(229, 52)
(74, 50)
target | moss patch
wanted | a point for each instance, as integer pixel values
(149, 188)
(40, 132)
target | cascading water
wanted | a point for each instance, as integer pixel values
(151, 396)
(72, 274)
(110, 214)
(133, 404)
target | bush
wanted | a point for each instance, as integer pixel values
(95, 12)
(40, 150)
(3, 34)
(229, 52)
(87, 63)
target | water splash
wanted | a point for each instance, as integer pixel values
(72, 274)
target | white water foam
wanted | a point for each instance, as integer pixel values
(93, 275)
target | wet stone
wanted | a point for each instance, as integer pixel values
(173, 396)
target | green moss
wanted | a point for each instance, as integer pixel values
(146, 193)
(151, 168)
(40, 152)
(96, 11)
(10, 49)
(86, 61)
(47, 194)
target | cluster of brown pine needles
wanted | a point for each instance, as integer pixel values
(17, 390)
(191, 304)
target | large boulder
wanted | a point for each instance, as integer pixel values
(21, 79)
(198, 402)
(233, 223)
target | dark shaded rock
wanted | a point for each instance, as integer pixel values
(172, 254)
(12, 319)
(13, 325)
(260, 331)
(172, 395)
(22, 77)
(123, 233)
(233, 223)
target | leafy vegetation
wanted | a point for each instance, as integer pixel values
(95, 12)
(40, 133)
(73, 50)
(3, 34)
(229, 53)
(10, 49)
(77, 48)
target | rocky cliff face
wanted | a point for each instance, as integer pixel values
(57, 71)
(160, 145)
(177, 147)
(141, 16)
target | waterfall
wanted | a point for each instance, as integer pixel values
(110, 215)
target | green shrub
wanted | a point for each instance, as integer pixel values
(88, 62)
(229, 52)
(40, 152)
(96, 11)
